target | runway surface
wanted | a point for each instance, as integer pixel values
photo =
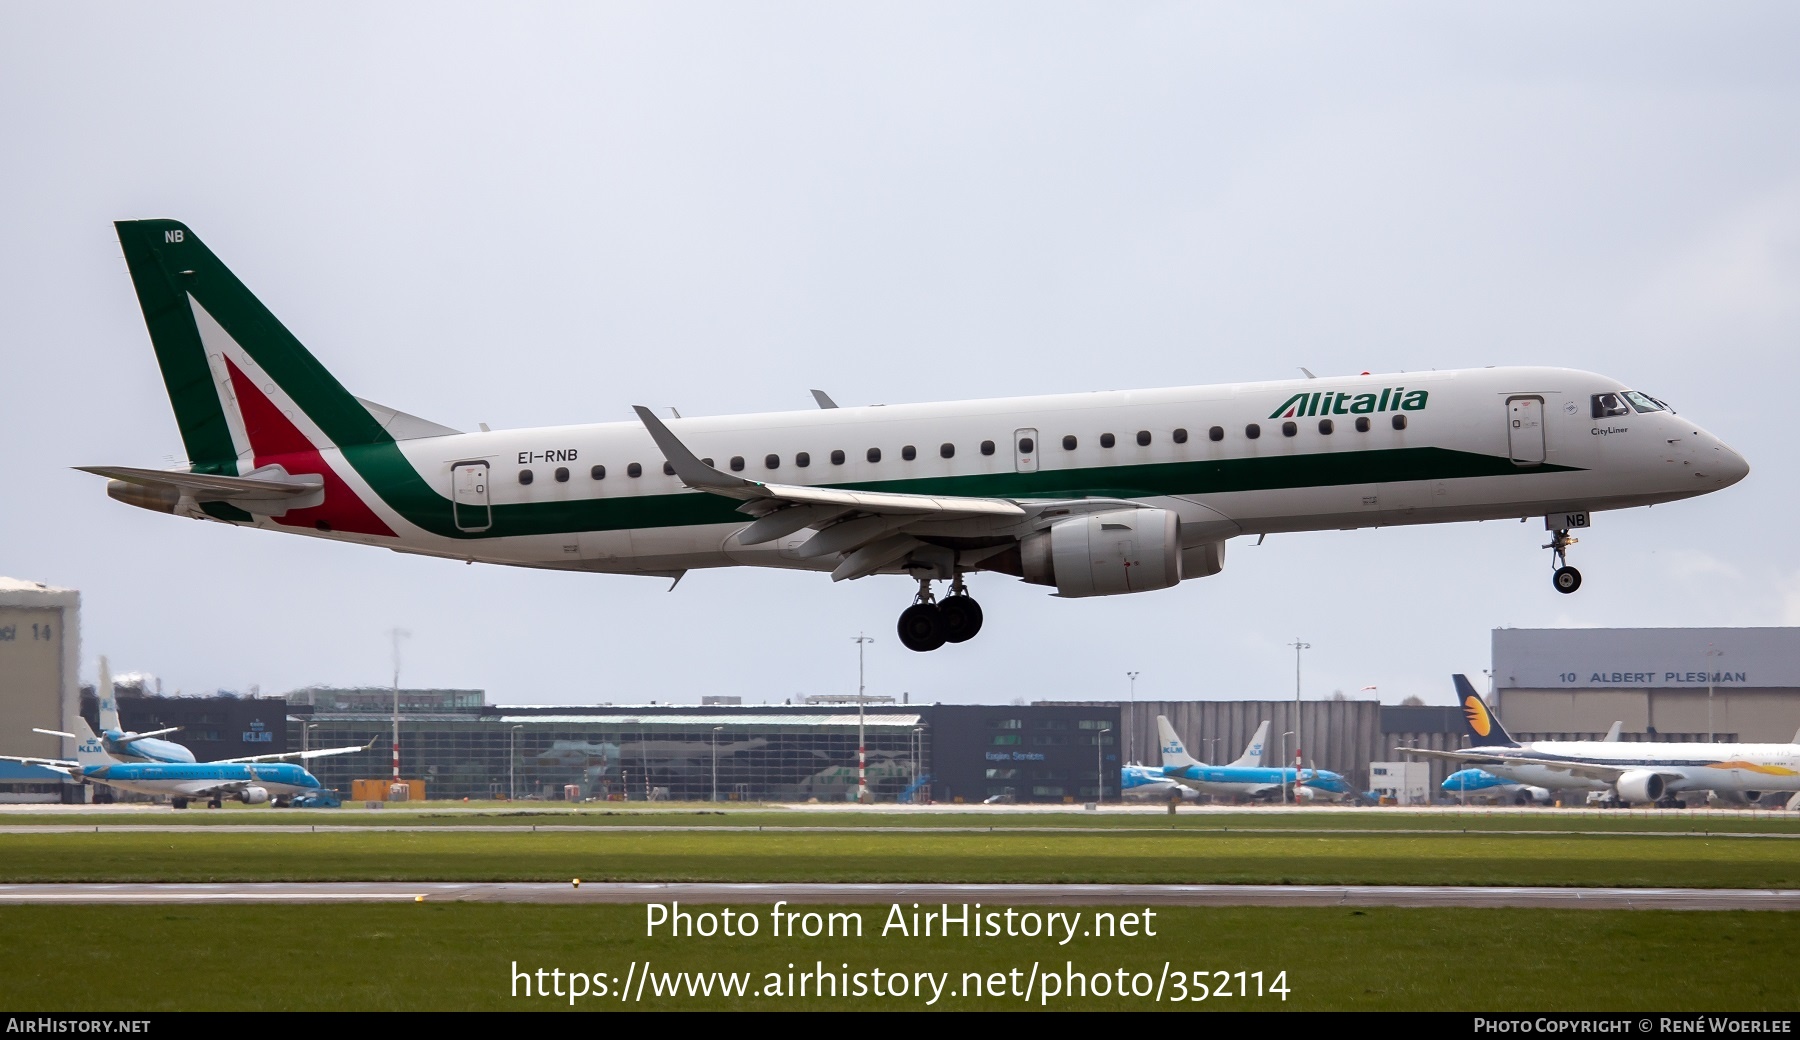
(861, 894)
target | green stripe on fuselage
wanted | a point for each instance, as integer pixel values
(401, 487)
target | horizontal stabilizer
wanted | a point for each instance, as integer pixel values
(212, 487)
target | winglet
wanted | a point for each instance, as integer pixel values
(1483, 728)
(1612, 735)
(824, 399)
(694, 473)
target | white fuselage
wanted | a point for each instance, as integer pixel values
(1459, 457)
(1733, 768)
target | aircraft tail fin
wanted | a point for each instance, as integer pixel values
(109, 708)
(1174, 752)
(241, 384)
(1612, 735)
(1484, 730)
(89, 751)
(1253, 754)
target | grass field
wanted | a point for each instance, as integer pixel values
(1447, 858)
(458, 814)
(461, 956)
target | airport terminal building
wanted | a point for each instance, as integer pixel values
(1728, 684)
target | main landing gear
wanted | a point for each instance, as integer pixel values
(1566, 578)
(930, 623)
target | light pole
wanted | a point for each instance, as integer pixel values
(919, 744)
(512, 757)
(1100, 763)
(1212, 749)
(1131, 721)
(715, 751)
(397, 634)
(305, 734)
(1284, 779)
(862, 757)
(1298, 646)
(1711, 652)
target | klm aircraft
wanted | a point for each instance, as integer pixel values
(1090, 494)
(1481, 785)
(1147, 783)
(131, 746)
(181, 782)
(1247, 777)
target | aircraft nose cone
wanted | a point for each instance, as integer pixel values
(1726, 466)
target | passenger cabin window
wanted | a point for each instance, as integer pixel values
(1288, 429)
(1325, 426)
(874, 455)
(1106, 440)
(1027, 445)
(598, 472)
(802, 459)
(562, 474)
(1179, 436)
(947, 450)
(737, 463)
(525, 476)
(772, 461)
(1069, 443)
(1362, 424)
(1399, 422)
(987, 447)
(909, 453)
(1217, 433)
(634, 470)
(1645, 403)
(1253, 431)
(1143, 438)
(837, 457)
(1607, 405)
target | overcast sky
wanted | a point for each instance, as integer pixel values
(536, 214)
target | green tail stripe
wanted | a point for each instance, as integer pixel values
(168, 262)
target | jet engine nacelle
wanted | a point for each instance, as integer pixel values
(252, 795)
(1106, 554)
(1529, 795)
(1641, 785)
(1735, 797)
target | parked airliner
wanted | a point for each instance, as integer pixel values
(1091, 494)
(1247, 777)
(181, 782)
(1633, 772)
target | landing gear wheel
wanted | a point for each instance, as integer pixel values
(962, 618)
(215, 804)
(178, 803)
(922, 627)
(1566, 579)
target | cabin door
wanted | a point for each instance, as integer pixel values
(1525, 430)
(1025, 451)
(469, 496)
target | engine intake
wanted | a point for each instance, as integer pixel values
(1106, 554)
(252, 795)
(1641, 785)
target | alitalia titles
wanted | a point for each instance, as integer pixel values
(1326, 402)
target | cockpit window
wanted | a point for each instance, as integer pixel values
(1645, 403)
(1606, 405)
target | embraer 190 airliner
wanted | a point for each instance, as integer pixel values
(1092, 494)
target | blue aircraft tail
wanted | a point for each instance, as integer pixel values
(1484, 730)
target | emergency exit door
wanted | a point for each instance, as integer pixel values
(469, 496)
(1525, 430)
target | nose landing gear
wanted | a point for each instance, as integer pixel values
(929, 624)
(1566, 578)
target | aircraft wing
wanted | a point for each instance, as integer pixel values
(701, 477)
(302, 755)
(209, 487)
(129, 737)
(1587, 770)
(66, 766)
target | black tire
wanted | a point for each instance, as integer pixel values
(921, 627)
(178, 803)
(962, 618)
(215, 804)
(1566, 579)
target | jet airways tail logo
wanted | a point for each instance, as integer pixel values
(1477, 714)
(1326, 402)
